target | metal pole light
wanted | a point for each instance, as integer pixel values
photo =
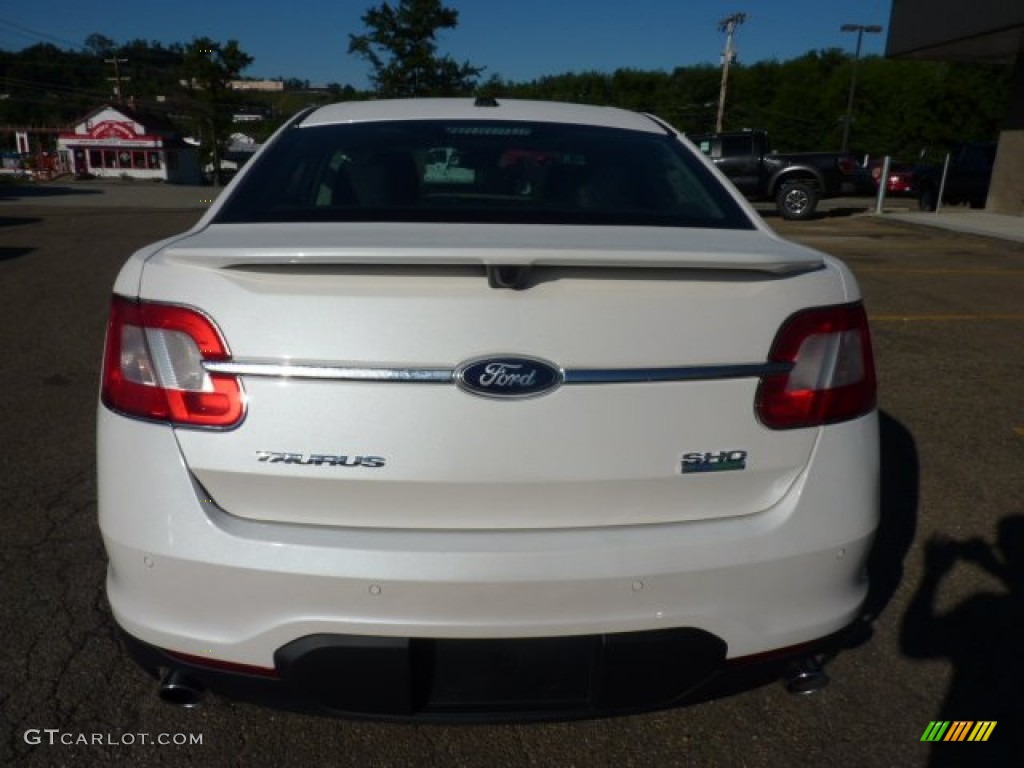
(860, 29)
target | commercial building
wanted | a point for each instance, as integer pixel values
(123, 143)
(988, 31)
(257, 85)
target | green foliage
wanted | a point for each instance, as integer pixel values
(99, 45)
(42, 86)
(46, 86)
(208, 67)
(901, 108)
(153, 68)
(400, 46)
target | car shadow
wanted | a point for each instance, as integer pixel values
(899, 495)
(767, 212)
(9, 253)
(900, 489)
(28, 191)
(18, 221)
(844, 212)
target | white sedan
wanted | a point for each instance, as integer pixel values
(453, 408)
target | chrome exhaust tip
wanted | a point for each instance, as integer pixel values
(181, 690)
(805, 677)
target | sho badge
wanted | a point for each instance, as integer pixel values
(719, 461)
(320, 459)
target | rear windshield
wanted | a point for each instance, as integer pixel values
(481, 172)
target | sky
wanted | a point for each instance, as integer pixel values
(518, 40)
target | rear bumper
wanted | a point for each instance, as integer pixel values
(186, 576)
(387, 678)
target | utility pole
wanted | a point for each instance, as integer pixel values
(860, 29)
(118, 78)
(727, 25)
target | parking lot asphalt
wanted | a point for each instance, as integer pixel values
(109, 193)
(945, 632)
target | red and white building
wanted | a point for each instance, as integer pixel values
(120, 142)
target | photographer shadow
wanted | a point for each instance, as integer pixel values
(982, 637)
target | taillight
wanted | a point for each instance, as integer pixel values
(153, 366)
(833, 371)
(847, 165)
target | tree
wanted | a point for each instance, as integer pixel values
(902, 106)
(99, 45)
(400, 45)
(208, 69)
(43, 85)
(154, 69)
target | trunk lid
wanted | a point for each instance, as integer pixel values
(349, 353)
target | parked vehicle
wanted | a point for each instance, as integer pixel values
(967, 179)
(795, 181)
(900, 180)
(563, 430)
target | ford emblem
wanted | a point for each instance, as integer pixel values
(508, 377)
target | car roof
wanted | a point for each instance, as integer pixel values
(480, 109)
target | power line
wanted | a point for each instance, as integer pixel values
(11, 44)
(41, 89)
(21, 29)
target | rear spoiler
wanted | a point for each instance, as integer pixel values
(266, 245)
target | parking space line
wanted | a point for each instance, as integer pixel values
(937, 271)
(939, 318)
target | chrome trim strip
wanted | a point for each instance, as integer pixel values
(681, 373)
(334, 372)
(447, 375)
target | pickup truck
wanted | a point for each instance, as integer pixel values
(967, 179)
(796, 182)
